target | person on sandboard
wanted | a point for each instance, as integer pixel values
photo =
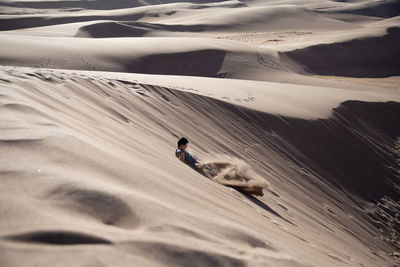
(182, 154)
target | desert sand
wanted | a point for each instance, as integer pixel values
(300, 97)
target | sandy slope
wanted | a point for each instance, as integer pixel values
(88, 177)
(95, 94)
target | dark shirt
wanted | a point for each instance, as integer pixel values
(189, 159)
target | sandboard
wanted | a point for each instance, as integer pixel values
(255, 190)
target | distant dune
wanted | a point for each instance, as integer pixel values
(367, 57)
(192, 56)
(110, 30)
(383, 9)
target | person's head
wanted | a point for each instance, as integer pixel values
(182, 143)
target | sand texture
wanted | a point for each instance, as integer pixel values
(298, 98)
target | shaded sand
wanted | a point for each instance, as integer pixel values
(354, 58)
(95, 94)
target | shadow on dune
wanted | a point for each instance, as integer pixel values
(354, 150)
(134, 29)
(367, 57)
(266, 207)
(101, 206)
(58, 238)
(382, 9)
(206, 63)
(111, 30)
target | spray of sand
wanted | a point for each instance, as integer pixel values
(234, 172)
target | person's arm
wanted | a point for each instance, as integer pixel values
(182, 157)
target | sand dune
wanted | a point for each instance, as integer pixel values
(95, 94)
(202, 56)
(139, 29)
(12, 22)
(89, 128)
(16, 19)
(368, 57)
(384, 9)
(263, 18)
(193, 56)
(111, 29)
(232, 16)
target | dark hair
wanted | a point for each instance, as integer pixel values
(182, 141)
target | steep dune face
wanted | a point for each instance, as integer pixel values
(87, 177)
(353, 150)
(367, 57)
(383, 9)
